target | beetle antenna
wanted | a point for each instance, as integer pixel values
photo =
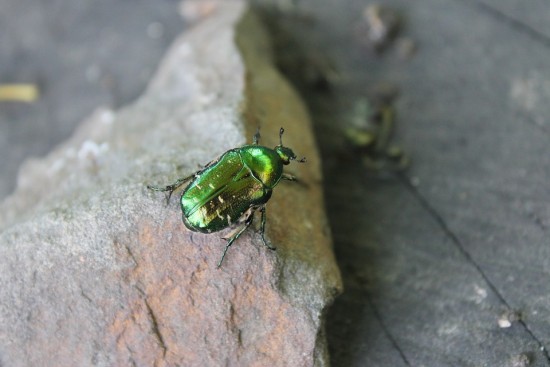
(303, 160)
(281, 136)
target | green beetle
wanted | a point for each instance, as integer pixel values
(229, 190)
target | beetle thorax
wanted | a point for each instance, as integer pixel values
(264, 163)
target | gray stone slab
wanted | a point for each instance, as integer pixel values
(441, 261)
(482, 153)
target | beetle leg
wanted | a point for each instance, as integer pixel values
(247, 223)
(171, 188)
(262, 229)
(289, 177)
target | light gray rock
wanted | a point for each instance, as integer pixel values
(97, 270)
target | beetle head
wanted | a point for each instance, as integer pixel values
(286, 154)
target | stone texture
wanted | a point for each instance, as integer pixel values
(97, 270)
(79, 54)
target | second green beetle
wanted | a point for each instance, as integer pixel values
(228, 190)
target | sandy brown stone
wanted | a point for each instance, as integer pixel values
(97, 270)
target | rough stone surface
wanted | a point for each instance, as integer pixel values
(80, 54)
(97, 270)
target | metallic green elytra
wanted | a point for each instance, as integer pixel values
(229, 190)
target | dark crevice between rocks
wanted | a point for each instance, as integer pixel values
(307, 65)
(321, 352)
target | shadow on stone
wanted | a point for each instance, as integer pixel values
(350, 192)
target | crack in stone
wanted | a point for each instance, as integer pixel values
(85, 296)
(542, 128)
(458, 244)
(510, 21)
(131, 254)
(155, 327)
(359, 280)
